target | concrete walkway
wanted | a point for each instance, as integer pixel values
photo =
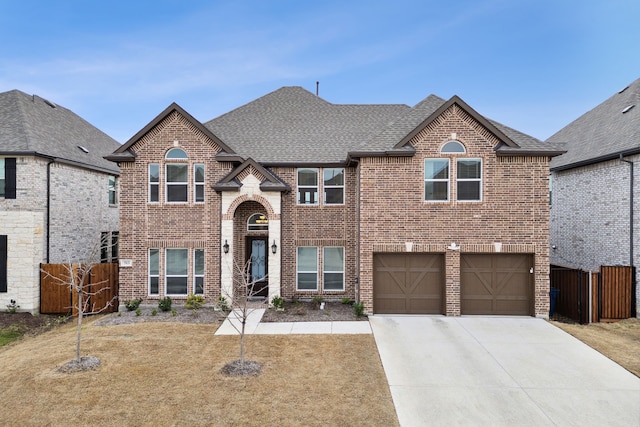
(500, 371)
(254, 326)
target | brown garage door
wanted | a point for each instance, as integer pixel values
(408, 283)
(496, 284)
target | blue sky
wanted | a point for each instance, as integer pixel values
(534, 65)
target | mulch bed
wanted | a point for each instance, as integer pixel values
(26, 322)
(310, 312)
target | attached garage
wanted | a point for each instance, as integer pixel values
(496, 284)
(408, 283)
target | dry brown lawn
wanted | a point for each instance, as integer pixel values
(168, 374)
(619, 341)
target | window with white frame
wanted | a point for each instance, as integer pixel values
(307, 268)
(436, 180)
(198, 271)
(333, 186)
(469, 179)
(453, 147)
(112, 190)
(198, 183)
(307, 186)
(154, 182)
(333, 268)
(177, 182)
(176, 271)
(154, 271)
(258, 222)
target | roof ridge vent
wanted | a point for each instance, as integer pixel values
(626, 110)
(625, 88)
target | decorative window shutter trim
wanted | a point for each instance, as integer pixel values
(10, 178)
(3, 263)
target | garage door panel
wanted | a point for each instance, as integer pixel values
(408, 283)
(496, 284)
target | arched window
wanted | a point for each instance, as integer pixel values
(258, 222)
(453, 147)
(176, 153)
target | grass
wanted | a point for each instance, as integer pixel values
(168, 374)
(8, 335)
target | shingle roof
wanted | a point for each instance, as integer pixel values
(30, 125)
(292, 125)
(602, 133)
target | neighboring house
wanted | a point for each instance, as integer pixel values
(430, 209)
(58, 195)
(595, 212)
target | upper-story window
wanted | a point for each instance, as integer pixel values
(198, 183)
(112, 190)
(453, 147)
(176, 177)
(307, 186)
(258, 222)
(469, 180)
(436, 180)
(154, 182)
(333, 186)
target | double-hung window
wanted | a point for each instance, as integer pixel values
(469, 179)
(307, 186)
(177, 182)
(176, 271)
(307, 268)
(154, 271)
(333, 186)
(436, 180)
(112, 190)
(333, 268)
(198, 183)
(198, 271)
(154, 183)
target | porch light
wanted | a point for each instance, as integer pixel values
(274, 247)
(225, 247)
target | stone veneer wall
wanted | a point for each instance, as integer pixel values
(514, 209)
(590, 216)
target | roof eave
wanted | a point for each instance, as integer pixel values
(598, 159)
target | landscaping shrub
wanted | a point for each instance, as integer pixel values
(165, 304)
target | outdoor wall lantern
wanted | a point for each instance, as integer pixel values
(225, 247)
(274, 247)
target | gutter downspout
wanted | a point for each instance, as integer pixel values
(49, 209)
(630, 208)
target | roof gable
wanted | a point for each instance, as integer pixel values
(603, 133)
(30, 125)
(125, 152)
(268, 180)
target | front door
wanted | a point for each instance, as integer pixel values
(258, 265)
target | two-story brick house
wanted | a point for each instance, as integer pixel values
(58, 195)
(424, 209)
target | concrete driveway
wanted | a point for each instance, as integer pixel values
(500, 371)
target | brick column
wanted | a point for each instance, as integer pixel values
(452, 282)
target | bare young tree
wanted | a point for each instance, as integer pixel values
(246, 288)
(77, 277)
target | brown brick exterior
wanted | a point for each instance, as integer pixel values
(514, 209)
(384, 208)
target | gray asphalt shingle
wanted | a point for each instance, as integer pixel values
(31, 125)
(604, 131)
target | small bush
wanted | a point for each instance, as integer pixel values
(165, 304)
(194, 302)
(346, 301)
(174, 313)
(223, 304)
(358, 309)
(138, 312)
(154, 312)
(133, 304)
(317, 299)
(277, 302)
(13, 307)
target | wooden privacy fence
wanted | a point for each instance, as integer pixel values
(586, 297)
(58, 298)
